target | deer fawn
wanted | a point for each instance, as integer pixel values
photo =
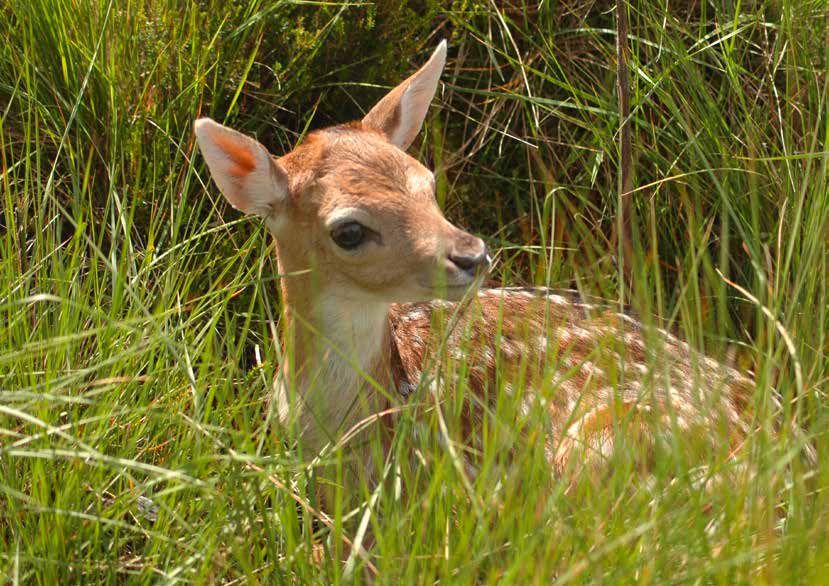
(365, 252)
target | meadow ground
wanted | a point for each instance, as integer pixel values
(139, 313)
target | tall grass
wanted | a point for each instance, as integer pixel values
(140, 315)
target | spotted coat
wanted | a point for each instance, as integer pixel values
(586, 364)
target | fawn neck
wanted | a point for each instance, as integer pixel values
(337, 343)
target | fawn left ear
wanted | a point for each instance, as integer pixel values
(243, 169)
(399, 115)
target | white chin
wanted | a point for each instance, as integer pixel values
(448, 292)
(454, 292)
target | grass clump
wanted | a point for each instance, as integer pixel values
(140, 315)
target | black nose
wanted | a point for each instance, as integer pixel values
(470, 262)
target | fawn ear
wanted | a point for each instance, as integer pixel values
(243, 169)
(399, 115)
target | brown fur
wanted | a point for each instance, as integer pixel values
(593, 368)
(368, 313)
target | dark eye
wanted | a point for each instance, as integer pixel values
(349, 235)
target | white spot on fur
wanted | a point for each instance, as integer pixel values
(572, 362)
(582, 333)
(592, 370)
(525, 406)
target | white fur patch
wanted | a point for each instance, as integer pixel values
(349, 214)
(332, 389)
(419, 179)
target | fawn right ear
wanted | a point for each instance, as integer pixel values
(400, 114)
(243, 169)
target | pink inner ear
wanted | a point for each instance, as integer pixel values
(243, 161)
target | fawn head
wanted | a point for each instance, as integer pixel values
(350, 204)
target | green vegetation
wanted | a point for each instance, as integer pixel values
(138, 312)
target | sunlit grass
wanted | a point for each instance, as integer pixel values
(140, 316)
